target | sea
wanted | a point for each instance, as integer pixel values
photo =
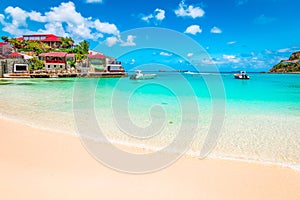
(255, 120)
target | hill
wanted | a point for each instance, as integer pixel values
(291, 65)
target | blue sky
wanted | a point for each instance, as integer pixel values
(237, 34)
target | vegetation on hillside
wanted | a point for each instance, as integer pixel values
(288, 66)
(37, 47)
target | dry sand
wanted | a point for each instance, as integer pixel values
(38, 164)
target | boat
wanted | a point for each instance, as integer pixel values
(140, 76)
(191, 73)
(242, 75)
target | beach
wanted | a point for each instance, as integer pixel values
(39, 164)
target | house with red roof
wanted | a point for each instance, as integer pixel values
(49, 39)
(100, 63)
(56, 60)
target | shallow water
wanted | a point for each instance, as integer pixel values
(261, 119)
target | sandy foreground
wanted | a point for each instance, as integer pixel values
(38, 164)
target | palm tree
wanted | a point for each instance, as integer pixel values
(4, 38)
(67, 42)
(83, 47)
(15, 43)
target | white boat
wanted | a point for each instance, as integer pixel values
(192, 73)
(140, 76)
(242, 75)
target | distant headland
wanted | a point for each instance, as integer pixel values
(292, 65)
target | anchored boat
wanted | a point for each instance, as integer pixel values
(242, 75)
(140, 76)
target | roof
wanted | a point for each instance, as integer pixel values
(97, 56)
(54, 54)
(15, 54)
(49, 37)
(70, 55)
(3, 44)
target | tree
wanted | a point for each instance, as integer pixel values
(37, 47)
(83, 47)
(36, 64)
(4, 38)
(67, 42)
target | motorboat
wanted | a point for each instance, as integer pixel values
(140, 76)
(242, 75)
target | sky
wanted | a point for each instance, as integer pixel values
(250, 35)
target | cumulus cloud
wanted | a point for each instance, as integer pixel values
(129, 41)
(216, 30)
(189, 11)
(18, 15)
(231, 58)
(62, 20)
(147, 18)
(193, 29)
(105, 27)
(158, 15)
(111, 41)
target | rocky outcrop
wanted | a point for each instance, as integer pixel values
(292, 65)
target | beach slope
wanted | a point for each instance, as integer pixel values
(38, 164)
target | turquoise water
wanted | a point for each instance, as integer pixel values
(261, 119)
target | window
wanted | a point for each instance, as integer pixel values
(20, 67)
(48, 66)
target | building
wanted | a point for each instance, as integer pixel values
(5, 48)
(101, 63)
(51, 40)
(56, 60)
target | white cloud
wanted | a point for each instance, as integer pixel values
(189, 11)
(18, 16)
(268, 51)
(147, 18)
(62, 20)
(284, 50)
(216, 30)
(193, 29)
(231, 58)
(37, 16)
(231, 42)
(129, 41)
(157, 16)
(190, 54)
(165, 54)
(160, 14)
(111, 41)
(93, 1)
(105, 27)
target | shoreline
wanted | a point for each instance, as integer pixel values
(189, 154)
(41, 164)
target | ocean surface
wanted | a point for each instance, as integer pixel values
(258, 119)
